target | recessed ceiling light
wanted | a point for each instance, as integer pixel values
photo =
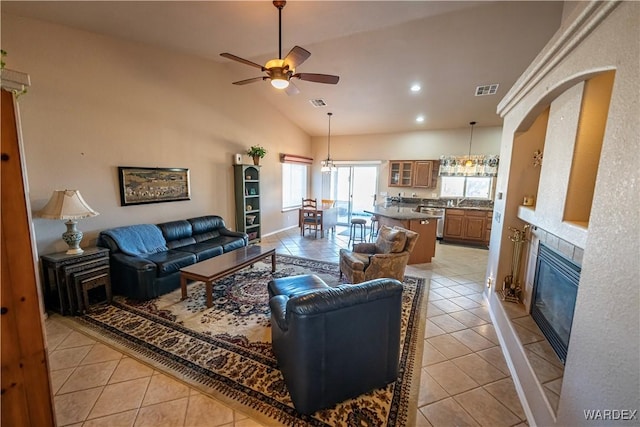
(420, 119)
(415, 87)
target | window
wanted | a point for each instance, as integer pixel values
(471, 187)
(294, 185)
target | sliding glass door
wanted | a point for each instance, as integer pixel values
(353, 187)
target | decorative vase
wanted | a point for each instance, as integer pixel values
(256, 160)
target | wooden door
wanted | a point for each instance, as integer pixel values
(26, 393)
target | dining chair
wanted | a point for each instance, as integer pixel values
(310, 217)
(309, 203)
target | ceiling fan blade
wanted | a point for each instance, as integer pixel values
(296, 56)
(317, 78)
(291, 89)
(247, 81)
(244, 61)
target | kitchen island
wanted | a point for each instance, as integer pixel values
(422, 223)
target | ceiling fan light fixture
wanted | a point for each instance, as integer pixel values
(279, 71)
(280, 83)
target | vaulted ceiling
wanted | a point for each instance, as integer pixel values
(378, 48)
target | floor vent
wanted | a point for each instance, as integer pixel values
(487, 89)
(318, 102)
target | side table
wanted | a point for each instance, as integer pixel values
(60, 271)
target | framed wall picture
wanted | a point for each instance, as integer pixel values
(153, 185)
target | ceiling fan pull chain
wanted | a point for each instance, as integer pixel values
(280, 6)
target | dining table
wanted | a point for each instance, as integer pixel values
(328, 217)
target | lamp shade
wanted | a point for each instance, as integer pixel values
(66, 204)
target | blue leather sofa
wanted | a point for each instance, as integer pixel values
(146, 259)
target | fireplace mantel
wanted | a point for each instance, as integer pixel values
(573, 232)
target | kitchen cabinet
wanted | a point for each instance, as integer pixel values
(425, 173)
(413, 173)
(400, 173)
(469, 226)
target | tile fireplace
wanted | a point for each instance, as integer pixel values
(554, 297)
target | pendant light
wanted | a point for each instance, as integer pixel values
(327, 165)
(469, 162)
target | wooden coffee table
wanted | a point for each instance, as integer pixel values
(216, 268)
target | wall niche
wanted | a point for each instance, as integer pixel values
(586, 153)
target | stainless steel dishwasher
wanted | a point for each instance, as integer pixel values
(438, 212)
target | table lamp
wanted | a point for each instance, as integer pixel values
(69, 205)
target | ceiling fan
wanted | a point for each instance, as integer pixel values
(281, 71)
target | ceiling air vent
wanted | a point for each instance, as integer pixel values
(487, 89)
(318, 103)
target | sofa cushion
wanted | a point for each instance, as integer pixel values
(390, 240)
(171, 261)
(203, 250)
(176, 230)
(230, 243)
(206, 227)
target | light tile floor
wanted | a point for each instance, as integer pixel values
(542, 357)
(464, 378)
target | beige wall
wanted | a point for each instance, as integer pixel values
(97, 103)
(602, 368)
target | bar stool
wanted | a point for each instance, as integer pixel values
(375, 227)
(357, 223)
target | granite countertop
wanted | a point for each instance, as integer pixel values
(399, 212)
(413, 203)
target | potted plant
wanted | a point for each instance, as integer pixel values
(257, 152)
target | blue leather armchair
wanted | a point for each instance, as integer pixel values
(334, 343)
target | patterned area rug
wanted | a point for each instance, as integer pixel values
(225, 351)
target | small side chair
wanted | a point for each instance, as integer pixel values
(310, 217)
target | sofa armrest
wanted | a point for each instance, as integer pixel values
(133, 276)
(278, 306)
(230, 233)
(364, 248)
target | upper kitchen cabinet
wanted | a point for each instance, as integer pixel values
(400, 173)
(413, 173)
(425, 173)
